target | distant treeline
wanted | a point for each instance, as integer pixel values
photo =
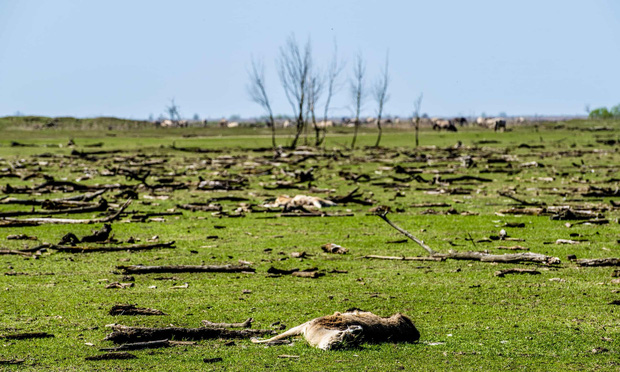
(604, 113)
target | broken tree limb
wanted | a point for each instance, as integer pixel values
(22, 336)
(123, 334)
(140, 269)
(14, 252)
(133, 247)
(382, 213)
(403, 258)
(245, 324)
(41, 221)
(139, 345)
(111, 356)
(504, 258)
(129, 309)
(77, 198)
(598, 262)
(521, 201)
(502, 273)
(99, 207)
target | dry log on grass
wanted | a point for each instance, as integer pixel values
(111, 356)
(123, 334)
(503, 258)
(598, 262)
(26, 335)
(40, 221)
(403, 258)
(11, 361)
(14, 252)
(99, 207)
(88, 249)
(140, 269)
(139, 345)
(502, 273)
(17, 223)
(129, 309)
(521, 201)
(319, 214)
(77, 198)
(246, 324)
(513, 248)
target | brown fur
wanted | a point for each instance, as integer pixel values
(351, 328)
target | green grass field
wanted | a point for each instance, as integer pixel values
(469, 319)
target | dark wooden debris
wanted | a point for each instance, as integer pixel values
(245, 324)
(111, 356)
(504, 272)
(140, 269)
(139, 345)
(129, 309)
(123, 334)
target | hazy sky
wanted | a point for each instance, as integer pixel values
(129, 58)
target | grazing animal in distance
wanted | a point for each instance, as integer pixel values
(460, 121)
(348, 329)
(439, 124)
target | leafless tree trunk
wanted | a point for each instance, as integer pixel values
(358, 93)
(416, 116)
(315, 88)
(294, 71)
(173, 111)
(335, 68)
(380, 95)
(258, 94)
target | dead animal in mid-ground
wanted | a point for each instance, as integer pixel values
(299, 201)
(350, 329)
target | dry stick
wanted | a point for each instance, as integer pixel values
(431, 258)
(69, 220)
(520, 201)
(502, 273)
(383, 215)
(14, 252)
(140, 269)
(246, 324)
(598, 262)
(124, 334)
(121, 309)
(139, 345)
(101, 206)
(134, 247)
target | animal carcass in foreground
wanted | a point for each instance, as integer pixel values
(352, 328)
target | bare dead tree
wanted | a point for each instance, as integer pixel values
(358, 92)
(258, 94)
(333, 85)
(315, 88)
(173, 111)
(416, 116)
(380, 95)
(294, 71)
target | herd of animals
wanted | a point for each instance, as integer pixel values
(451, 125)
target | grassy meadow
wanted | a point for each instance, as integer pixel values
(562, 318)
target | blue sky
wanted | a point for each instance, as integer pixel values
(129, 58)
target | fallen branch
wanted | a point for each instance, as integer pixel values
(139, 345)
(68, 220)
(504, 258)
(123, 334)
(99, 207)
(140, 269)
(246, 324)
(502, 273)
(111, 356)
(22, 336)
(14, 252)
(134, 247)
(133, 310)
(382, 213)
(598, 262)
(521, 201)
(403, 258)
